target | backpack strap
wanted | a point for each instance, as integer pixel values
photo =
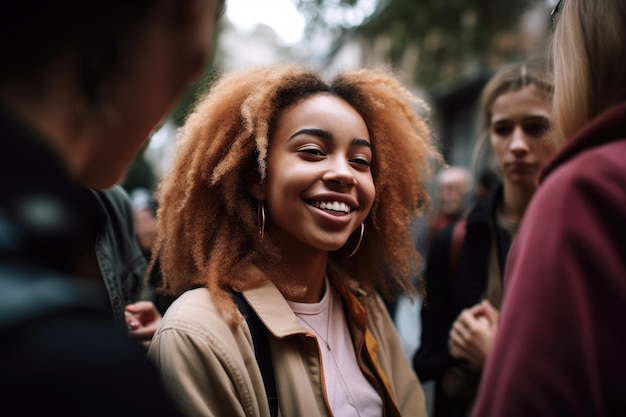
(458, 236)
(261, 350)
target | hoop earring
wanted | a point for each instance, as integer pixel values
(360, 240)
(261, 218)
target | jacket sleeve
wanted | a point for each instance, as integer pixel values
(432, 356)
(199, 377)
(559, 349)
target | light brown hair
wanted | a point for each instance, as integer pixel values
(587, 52)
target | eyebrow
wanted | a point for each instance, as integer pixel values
(326, 135)
(531, 118)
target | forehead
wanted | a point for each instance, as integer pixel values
(528, 100)
(319, 103)
(324, 111)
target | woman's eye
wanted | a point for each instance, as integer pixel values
(361, 161)
(502, 130)
(312, 151)
(537, 129)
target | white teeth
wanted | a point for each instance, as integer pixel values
(332, 205)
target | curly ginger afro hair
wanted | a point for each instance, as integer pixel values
(208, 220)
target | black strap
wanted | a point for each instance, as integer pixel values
(458, 236)
(261, 350)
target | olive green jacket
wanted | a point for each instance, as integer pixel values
(211, 370)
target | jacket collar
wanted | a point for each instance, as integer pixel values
(273, 310)
(277, 316)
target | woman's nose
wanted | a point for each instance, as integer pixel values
(519, 143)
(340, 172)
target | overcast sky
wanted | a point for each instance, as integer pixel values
(281, 15)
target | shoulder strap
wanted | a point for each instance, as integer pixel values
(458, 236)
(261, 350)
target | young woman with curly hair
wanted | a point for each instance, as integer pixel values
(298, 194)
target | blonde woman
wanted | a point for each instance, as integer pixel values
(466, 264)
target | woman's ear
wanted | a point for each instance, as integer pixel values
(255, 185)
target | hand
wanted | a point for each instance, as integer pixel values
(142, 320)
(473, 332)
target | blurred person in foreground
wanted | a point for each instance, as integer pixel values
(466, 264)
(298, 194)
(82, 84)
(559, 349)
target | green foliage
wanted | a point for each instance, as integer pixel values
(449, 37)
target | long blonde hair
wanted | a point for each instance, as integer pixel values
(587, 52)
(208, 220)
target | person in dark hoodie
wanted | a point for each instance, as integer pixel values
(82, 84)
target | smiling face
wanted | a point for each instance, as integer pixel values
(319, 186)
(519, 134)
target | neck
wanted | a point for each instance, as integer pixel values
(308, 270)
(516, 200)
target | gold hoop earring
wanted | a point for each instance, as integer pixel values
(360, 240)
(261, 218)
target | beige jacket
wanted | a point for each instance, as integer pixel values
(211, 370)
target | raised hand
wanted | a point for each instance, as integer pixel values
(142, 320)
(473, 332)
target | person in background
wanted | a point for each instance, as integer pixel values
(82, 84)
(142, 317)
(121, 263)
(454, 186)
(559, 349)
(467, 260)
(301, 202)
(144, 217)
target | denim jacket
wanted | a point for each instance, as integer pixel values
(119, 255)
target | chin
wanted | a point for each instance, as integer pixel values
(525, 182)
(100, 180)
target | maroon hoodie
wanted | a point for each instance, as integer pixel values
(560, 349)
